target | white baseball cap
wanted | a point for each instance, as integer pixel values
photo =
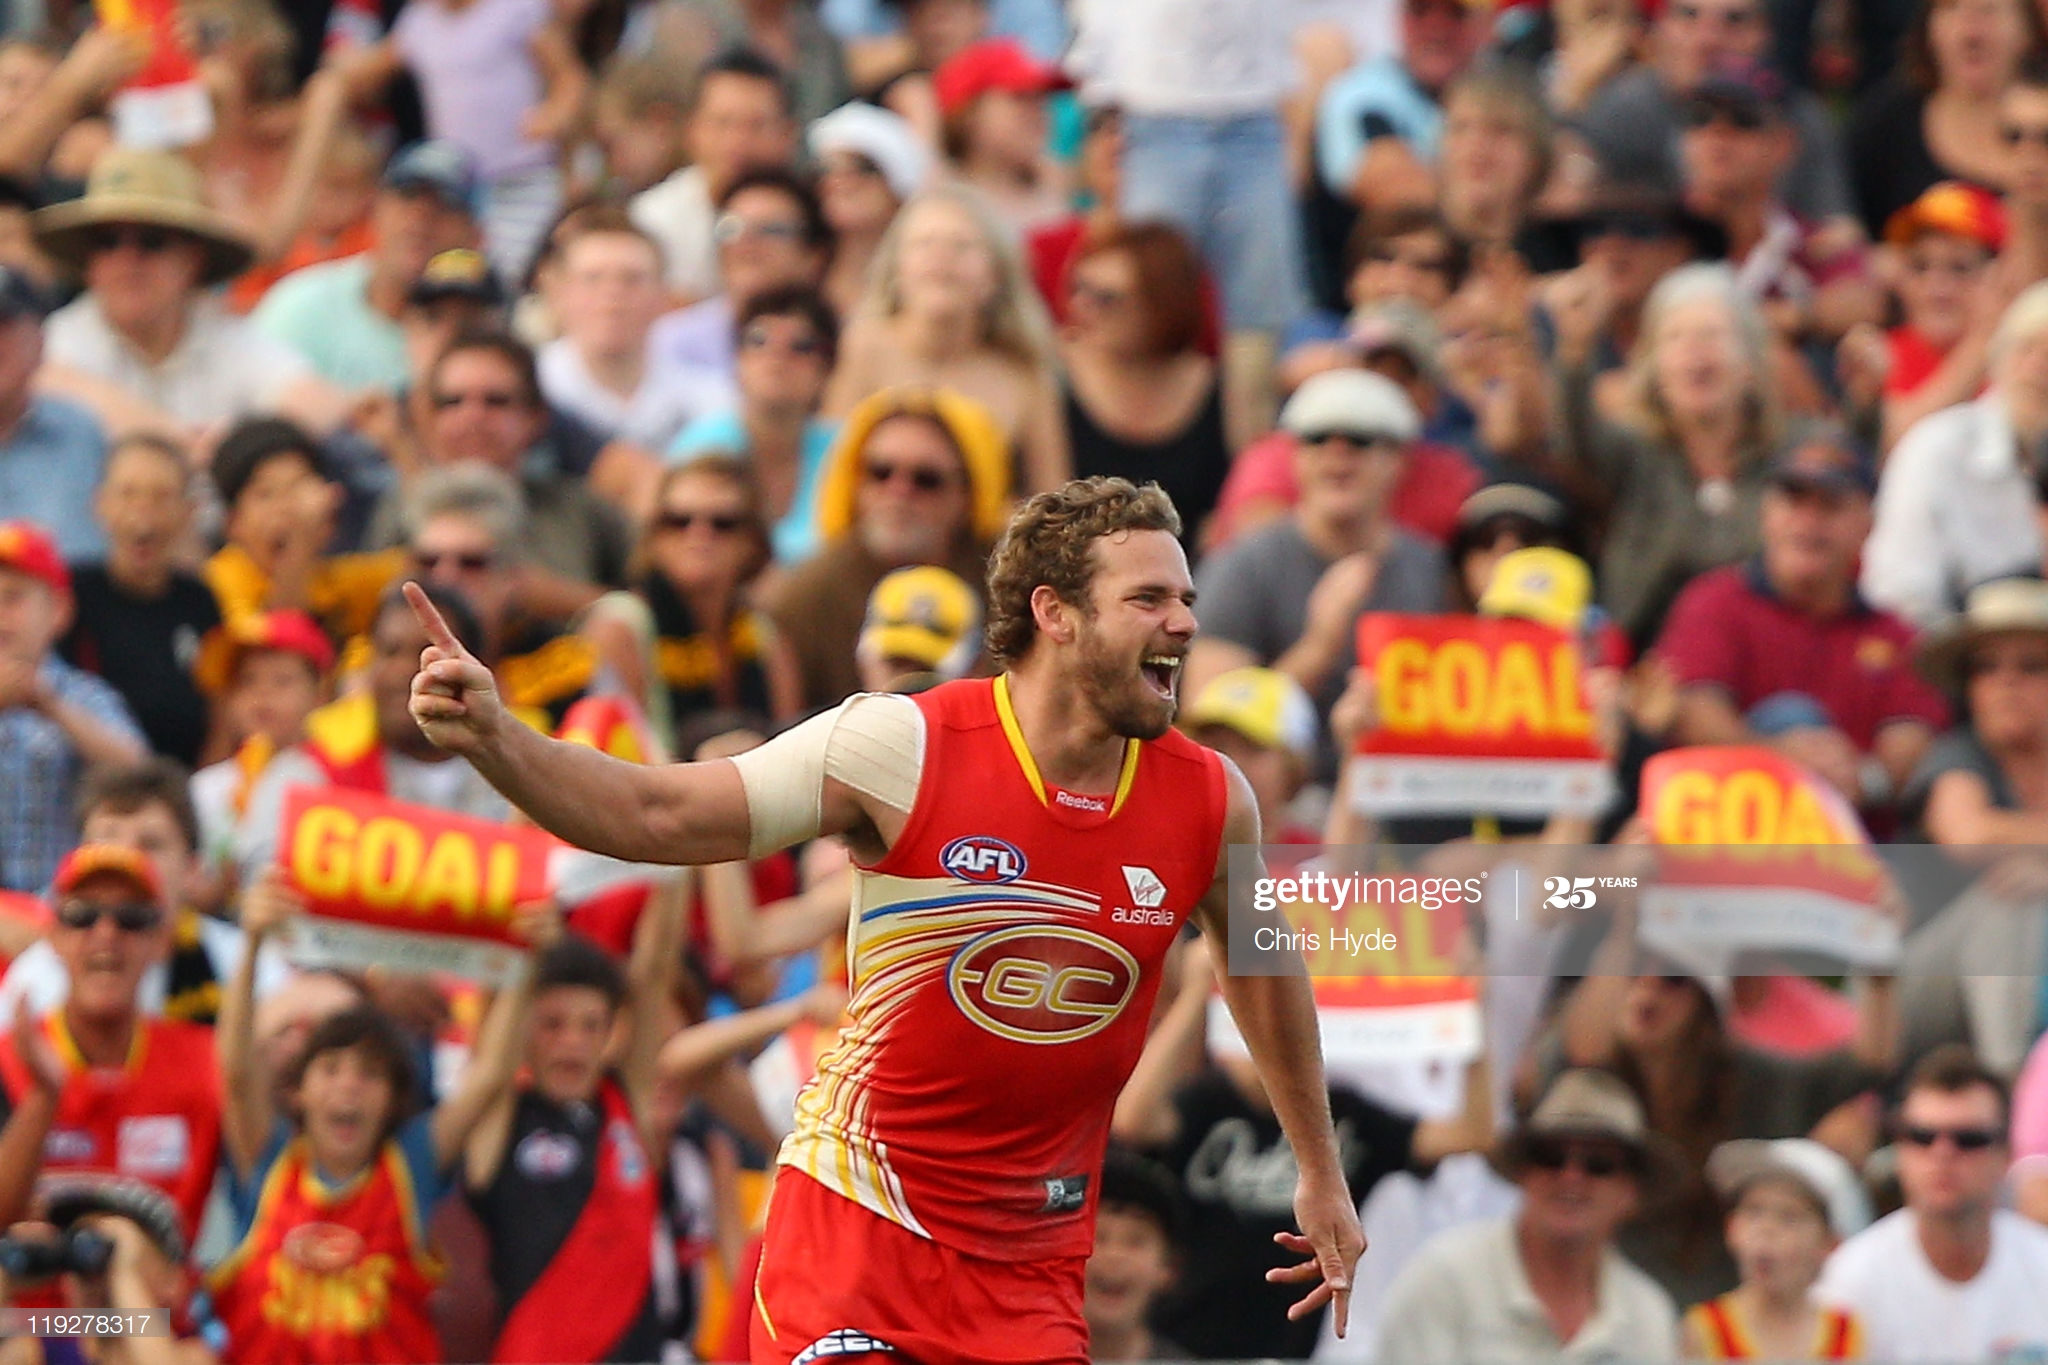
(883, 137)
(1735, 1166)
(1358, 402)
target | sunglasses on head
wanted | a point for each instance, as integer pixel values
(922, 477)
(143, 237)
(1549, 1154)
(135, 917)
(721, 523)
(1965, 1139)
(429, 562)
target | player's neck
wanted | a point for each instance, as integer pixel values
(1072, 745)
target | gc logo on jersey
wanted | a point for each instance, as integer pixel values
(983, 858)
(1042, 983)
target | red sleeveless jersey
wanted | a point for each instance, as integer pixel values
(155, 1119)
(1004, 958)
(331, 1277)
(1718, 1328)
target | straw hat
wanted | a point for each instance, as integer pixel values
(2004, 606)
(153, 189)
(1597, 1106)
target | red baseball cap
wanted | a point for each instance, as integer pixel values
(292, 632)
(1960, 210)
(993, 64)
(26, 548)
(87, 861)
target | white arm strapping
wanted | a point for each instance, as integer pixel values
(873, 742)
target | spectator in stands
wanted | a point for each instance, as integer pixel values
(281, 500)
(1548, 1281)
(1937, 115)
(637, 116)
(1496, 156)
(785, 343)
(145, 806)
(54, 719)
(138, 617)
(1141, 400)
(1950, 1274)
(367, 741)
(345, 316)
(1380, 126)
(1782, 650)
(1680, 477)
(1288, 596)
(992, 102)
(771, 234)
(919, 476)
(1956, 503)
(51, 449)
(742, 119)
(1495, 522)
(1949, 302)
(1810, 283)
(923, 628)
(147, 345)
(97, 1067)
(1790, 1203)
(486, 405)
(604, 369)
(2023, 123)
(870, 163)
(1626, 241)
(693, 641)
(1138, 1221)
(1633, 124)
(949, 305)
(1261, 720)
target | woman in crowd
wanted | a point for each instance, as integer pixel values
(1680, 475)
(948, 306)
(691, 642)
(869, 162)
(1142, 400)
(1937, 118)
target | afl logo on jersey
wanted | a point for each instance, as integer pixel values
(983, 858)
(547, 1156)
(1042, 983)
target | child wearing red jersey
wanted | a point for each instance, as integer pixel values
(333, 1266)
(1790, 1203)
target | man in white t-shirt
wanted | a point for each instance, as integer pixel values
(1951, 1276)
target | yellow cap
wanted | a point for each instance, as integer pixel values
(1263, 704)
(924, 615)
(1549, 586)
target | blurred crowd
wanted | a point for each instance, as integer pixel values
(692, 354)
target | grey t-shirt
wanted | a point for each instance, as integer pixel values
(1633, 126)
(1255, 594)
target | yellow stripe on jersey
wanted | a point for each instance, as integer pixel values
(1007, 714)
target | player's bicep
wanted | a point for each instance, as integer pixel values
(839, 772)
(1240, 827)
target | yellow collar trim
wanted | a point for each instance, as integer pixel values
(1007, 714)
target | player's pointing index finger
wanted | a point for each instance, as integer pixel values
(430, 617)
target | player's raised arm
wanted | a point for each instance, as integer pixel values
(676, 813)
(1277, 1016)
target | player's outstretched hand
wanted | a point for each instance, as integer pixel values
(1332, 1240)
(454, 698)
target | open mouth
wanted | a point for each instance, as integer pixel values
(1162, 673)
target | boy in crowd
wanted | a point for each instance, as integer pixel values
(1137, 1231)
(1264, 722)
(1791, 1202)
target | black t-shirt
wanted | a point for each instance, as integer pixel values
(546, 1177)
(145, 649)
(1890, 163)
(1237, 1175)
(1191, 464)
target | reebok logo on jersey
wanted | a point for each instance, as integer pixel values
(1147, 891)
(1094, 805)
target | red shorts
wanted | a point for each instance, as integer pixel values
(845, 1284)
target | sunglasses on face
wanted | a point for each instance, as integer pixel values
(1965, 1139)
(923, 478)
(1599, 1162)
(149, 241)
(721, 523)
(430, 562)
(760, 339)
(2027, 666)
(1434, 264)
(1096, 297)
(1357, 440)
(1726, 18)
(497, 400)
(2016, 134)
(1744, 118)
(1954, 269)
(134, 917)
(732, 228)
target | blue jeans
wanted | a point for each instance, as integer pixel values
(1224, 183)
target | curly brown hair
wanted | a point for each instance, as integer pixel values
(1051, 540)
